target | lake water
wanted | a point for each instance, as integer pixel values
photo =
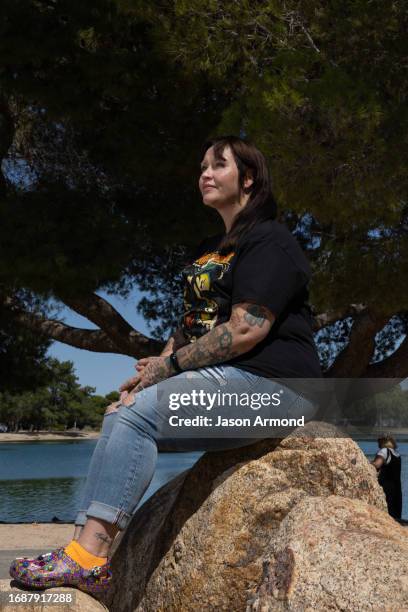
(42, 480)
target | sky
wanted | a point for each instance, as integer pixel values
(104, 371)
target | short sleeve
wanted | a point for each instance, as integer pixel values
(266, 274)
(383, 453)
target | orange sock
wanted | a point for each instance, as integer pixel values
(84, 558)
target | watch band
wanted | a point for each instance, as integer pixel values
(175, 363)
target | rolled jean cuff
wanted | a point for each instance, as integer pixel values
(110, 514)
(81, 518)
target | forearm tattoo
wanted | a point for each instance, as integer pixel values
(159, 369)
(216, 346)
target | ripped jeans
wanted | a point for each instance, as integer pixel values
(124, 459)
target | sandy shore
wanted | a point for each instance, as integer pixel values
(32, 540)
(34, 535)
(23, 436)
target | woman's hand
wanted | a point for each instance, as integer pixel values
(156, 370)
(126, 397)
(129, 384)
(142, 363)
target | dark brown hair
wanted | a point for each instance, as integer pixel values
(261, 204)
(385, 440)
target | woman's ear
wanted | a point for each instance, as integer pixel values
(248, 182)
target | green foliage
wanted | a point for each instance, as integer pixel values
(113, 396)
(108, 127)
(322, 92)
(130, 106)
(387, 409)
(60, 404)
(162, 307)
(58, 252)
(23, 358)
(111, 99)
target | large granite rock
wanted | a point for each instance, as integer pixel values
(335, 554)
(156, 525)
(200, 542)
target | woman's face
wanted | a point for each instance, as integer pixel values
(219, 179)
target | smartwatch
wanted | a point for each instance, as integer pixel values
(174, 362)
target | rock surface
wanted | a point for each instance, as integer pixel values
(200, 542)
(156, 525)
(335, 554)
(81, 601)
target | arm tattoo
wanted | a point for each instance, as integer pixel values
(156, 370)
(255, 315)
(224, 341)
(235, 319)
(216, 346)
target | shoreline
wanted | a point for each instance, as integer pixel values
(34, 535)
(43, 436)
(45, 536)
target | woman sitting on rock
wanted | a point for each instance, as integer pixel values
(246, 324)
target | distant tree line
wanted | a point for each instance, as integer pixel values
(387, 409)
(60, 403)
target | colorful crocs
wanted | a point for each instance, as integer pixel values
(56, 569)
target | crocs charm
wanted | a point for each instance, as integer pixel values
(95, 571)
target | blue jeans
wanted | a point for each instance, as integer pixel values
(124, 459)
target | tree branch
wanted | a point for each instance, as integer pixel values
(328, 318)
(394, 366)
(88, 339)
(126, 339)
(137, 345)
(382, 376)
(309, 38)
(353, 360)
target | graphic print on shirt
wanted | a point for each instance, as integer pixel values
(202, 304)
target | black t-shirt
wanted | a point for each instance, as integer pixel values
(267, 268)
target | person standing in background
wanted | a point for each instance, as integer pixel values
(388, 463)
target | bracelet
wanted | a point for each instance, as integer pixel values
(174, 362)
